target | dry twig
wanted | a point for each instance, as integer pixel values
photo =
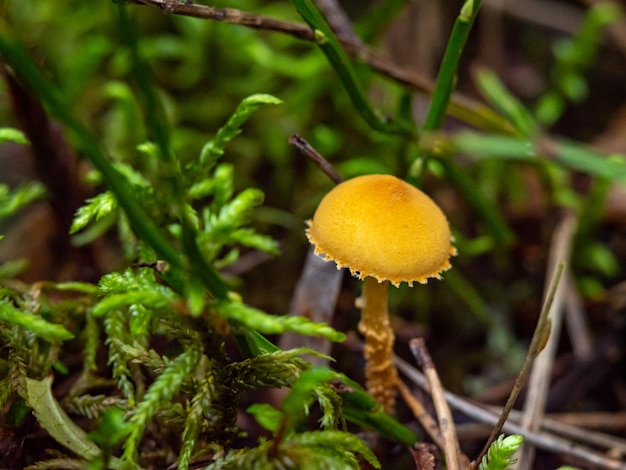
(460, 106)
(446, 423)
(539, 339)
(539, 381)
(576, 320)
(308, 151)
(425, 419)
(541, 439)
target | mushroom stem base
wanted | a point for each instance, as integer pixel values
(380, 371)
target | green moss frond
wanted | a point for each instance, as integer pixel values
(162, 389)
(332, 450)
(238, 312)
(59, 464)
(500, 453)
(273, 370)
(91, 406)
(13, 201)
(116, 332)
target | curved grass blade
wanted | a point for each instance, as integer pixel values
(17, 58)
(340, 62)
(158, 130)
(449, 65)
(49, 331)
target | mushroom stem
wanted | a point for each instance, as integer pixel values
(380, 371)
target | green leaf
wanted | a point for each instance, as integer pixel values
(571, 155)
(11, 202)
(576, 156)
(9, 134)
(271, 324)
(271, 370)
(252, 343)
(335, 442)
(112, 429)
(201, 189)
(49, 331)
(215, 147)
(223, 176)
(360, 408)
(504, 101)
(146, 297)
(140, 319)
(55, 421)
(248, 237)
(447, 73)
(60, 426)
(304, 326)
(163, 389)
(266, 415)
(96, 208)
(302, 390)
(341, 64)
(83, 287)
(116, 283)
(237, 212)
(490, 146)
(12, 268)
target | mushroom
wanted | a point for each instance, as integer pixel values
(383, 230)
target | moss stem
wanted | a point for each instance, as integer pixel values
(380, 371)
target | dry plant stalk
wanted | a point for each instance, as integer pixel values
(539, 381)
(550, 441)
(446, 422)
(420, 413)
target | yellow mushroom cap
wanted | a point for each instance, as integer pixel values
(381, 226)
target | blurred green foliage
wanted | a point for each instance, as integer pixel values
(185, 123)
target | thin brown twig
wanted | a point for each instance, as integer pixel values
(541, 439)
(297, 30)
(593, 419)
(308, 151)
(537, 344)
(446, 423)
(576, 322)
(557, 425)
(232, 16)
(420, 413)
(539, 381)
(318, 288)
(461, 107)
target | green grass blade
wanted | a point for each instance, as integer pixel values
(16, 57)
(479, 203)
(158, 130)
(568, 154)
(445, 80)
(49, 331)
(492, 88)
(449, 65)
(340, 62)
(360, 408)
